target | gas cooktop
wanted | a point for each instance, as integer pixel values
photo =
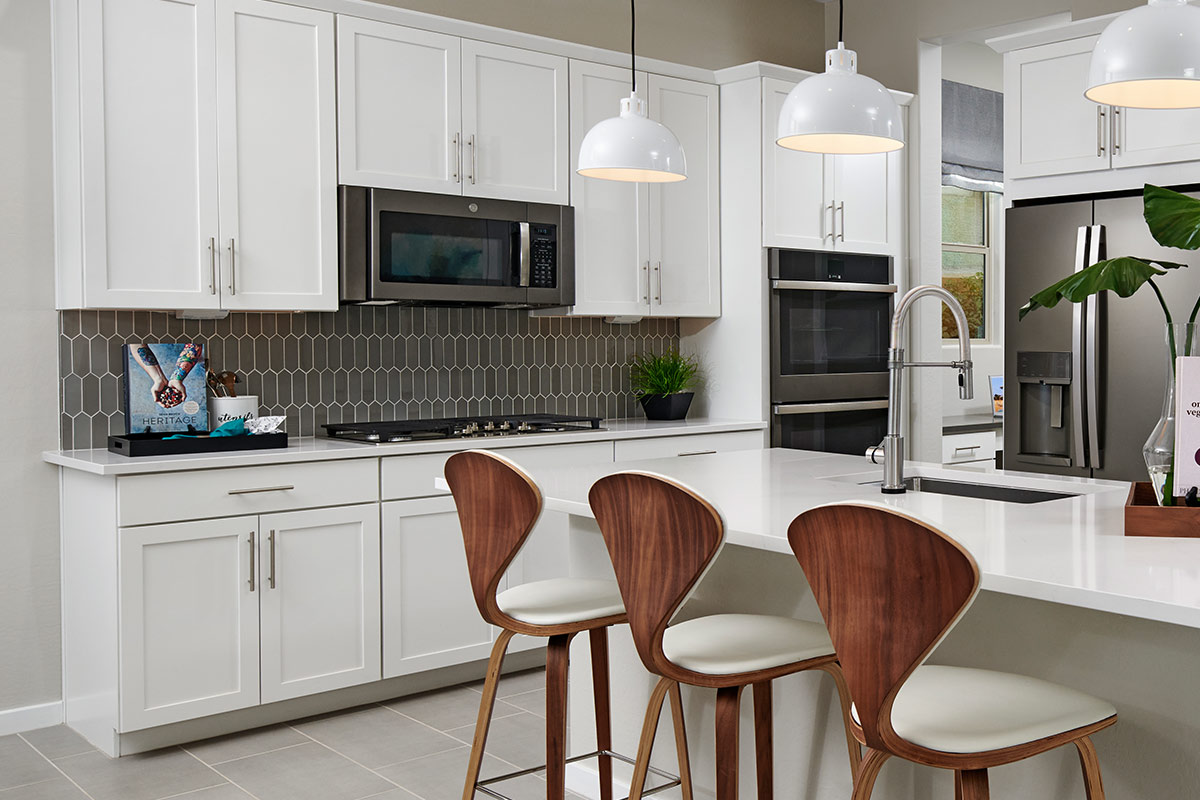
(459, 428)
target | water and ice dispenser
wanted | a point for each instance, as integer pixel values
(1045, 402)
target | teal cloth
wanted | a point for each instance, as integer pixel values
(235, 427)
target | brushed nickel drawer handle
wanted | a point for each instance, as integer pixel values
(271, 566)
(252, 549)
(966, 449)
(263, 489)
(698, 453)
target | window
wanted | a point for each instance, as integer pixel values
(967, 258)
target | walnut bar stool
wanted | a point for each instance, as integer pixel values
(890, 588)
(498, 504)
(662, 537)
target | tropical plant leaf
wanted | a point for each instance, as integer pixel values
(1124, 275)
(1173, 218)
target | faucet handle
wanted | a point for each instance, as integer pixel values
(875, 453)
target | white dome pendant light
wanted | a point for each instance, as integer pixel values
(840, 111)
(1149, 57)
(632, 147)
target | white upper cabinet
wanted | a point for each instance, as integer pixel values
(684, 250)
(278, 157)
(146, 188)
(1143, 136)
(810, 201)
(647, 249)
(195, 155)
(399, 115)
(1050, 128)
(514, 113)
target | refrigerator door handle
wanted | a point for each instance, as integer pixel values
(1096, 248)
(1078, 323)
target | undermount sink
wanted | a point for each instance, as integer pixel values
(980, 491)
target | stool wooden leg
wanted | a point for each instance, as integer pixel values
(486, 704)
(970, 784)
(839, 679)
(599, 646)
(556, 715)
(764, 741)
(728, 700)
(1091, 768)
(681, 745)
(868, 771)
(646, 743)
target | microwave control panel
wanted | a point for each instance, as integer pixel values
(543, 248)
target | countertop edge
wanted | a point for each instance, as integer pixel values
(312, 448)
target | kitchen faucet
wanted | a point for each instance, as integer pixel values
(892, 447)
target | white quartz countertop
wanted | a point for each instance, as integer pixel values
(1071, 551)
(309, 448)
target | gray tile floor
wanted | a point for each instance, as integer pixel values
(413, 748)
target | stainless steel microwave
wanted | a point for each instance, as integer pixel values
(435, 249)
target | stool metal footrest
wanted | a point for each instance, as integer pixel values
(672, 780)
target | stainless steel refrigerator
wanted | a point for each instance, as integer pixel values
(1084, 383)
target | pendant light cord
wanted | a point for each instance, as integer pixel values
(841, 19)
(632, 44)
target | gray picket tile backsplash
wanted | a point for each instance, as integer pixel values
(367, 363)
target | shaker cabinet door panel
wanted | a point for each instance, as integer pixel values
(796, 186)
(319, 573)
(399, 107)
(515, 117)
(188, 621)
(278, 151)
(684, 216)
(1144, 136)
(148, 153)
(868, 190)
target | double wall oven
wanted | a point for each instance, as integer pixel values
(830, 322)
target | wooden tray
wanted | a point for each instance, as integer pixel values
(1145, 517)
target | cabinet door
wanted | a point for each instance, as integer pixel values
(612, 251)
(188, 620)
(868, 191)
(429, 615)
(1144, 136)
(797, 195)
(514, 108)
(399, 107)
(1050, 128)
(278, 157)
(148, 153)
(319, 573)
(685, 216)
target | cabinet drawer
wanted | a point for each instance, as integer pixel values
(405, 477)
(202, 494)
(696, 444)
(968, 447)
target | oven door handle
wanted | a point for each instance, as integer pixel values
(523, 263)
(835, 286)
(784, 409)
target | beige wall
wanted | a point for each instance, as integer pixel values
(885, 32)
(29, 608)
(702, 33)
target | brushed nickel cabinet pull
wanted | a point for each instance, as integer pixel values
(261, 490)
(842, 209)
(456, 158)
(832, 222)
(232, 270)
(271, 565)
(253, 548)
(646, 272)
(1116, 132)
(1100, 117)
(698, 453)
(212, 265)
(658, 285)
(970, 449)
(474, 158)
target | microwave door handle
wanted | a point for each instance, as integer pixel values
(523, 262)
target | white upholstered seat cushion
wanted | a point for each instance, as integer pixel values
(559, 601)
(962, 710)
(725, 644)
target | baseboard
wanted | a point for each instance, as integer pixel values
(583, 779)
(29, 718)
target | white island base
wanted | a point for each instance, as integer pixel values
(1066, 598)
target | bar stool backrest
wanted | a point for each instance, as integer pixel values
(660, 536)
(889, 588)
(498, 504)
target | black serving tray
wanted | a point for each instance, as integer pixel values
(157, 444)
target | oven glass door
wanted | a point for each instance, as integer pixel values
(445, 250)
(848, 427)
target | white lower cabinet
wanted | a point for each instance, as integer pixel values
(319, 600)
(188, 620)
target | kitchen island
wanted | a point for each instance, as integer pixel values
(1066, 597)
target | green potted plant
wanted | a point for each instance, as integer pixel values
(664, 383)
(1174, 221)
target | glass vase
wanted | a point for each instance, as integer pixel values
(1159, 450)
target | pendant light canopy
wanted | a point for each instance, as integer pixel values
(632, 147)
(1149, 57)
(840, 111)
